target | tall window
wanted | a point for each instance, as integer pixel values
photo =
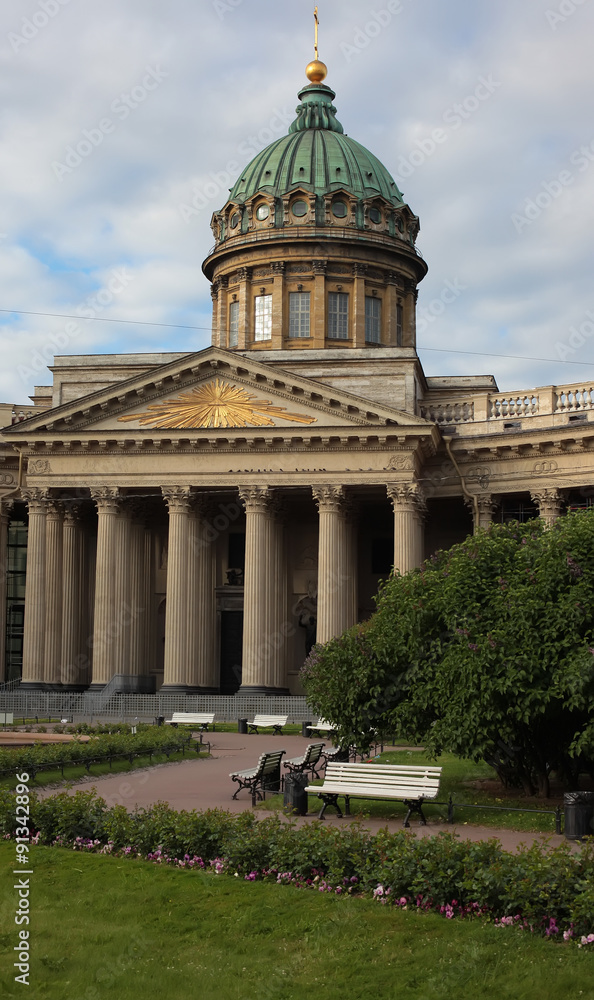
(234, 324)
(399, 324)
(263, 324)
(298, 314)
(338, 315)
(373, 320)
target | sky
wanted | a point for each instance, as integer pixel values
(124, 122)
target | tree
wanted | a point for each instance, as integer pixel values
(487, 652)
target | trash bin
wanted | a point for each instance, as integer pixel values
(272, 781)
(579, 814)
(305, 728)
(242, 726)
(295, 797)
(160, 720)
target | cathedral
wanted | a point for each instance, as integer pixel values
(194, 523)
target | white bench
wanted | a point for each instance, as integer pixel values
(410, 784)
(322, 727)
(202, 719)
(274, 722)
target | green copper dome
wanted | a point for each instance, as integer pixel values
(316, 156)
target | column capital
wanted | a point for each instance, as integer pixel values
(359, 270)
(6, 508)
(107, 499)
(278, 268)
(549, 502)
(55, 510)
(244, 273)
(319, 266)
(330, 498)
(407, 496)
(178, 499)
(72, 513)
(36, 500)
(258, 499)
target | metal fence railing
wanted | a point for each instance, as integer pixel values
(146, 707)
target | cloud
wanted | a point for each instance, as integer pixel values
(222, 80)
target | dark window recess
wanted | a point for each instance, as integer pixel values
(382, 555)
(236, 552)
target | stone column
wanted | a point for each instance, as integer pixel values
(483, 512)
(278, 306)
(71, 598)
(335, 574)
(549, 503)
(53, 597)
(177, 667)
(281, 622)
(391, 302)
(107, 500)
(246, 319)
(5, 509)
(223, 312)
(259, 609)
(359, 272)
(318, 305)
(137, 601)
(409, 506)
(34, 627)
(123, 617)
(203, 671)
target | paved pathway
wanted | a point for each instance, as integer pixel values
(205, 784)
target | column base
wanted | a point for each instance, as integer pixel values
(257, 689)
(32, 686)
(177, 689)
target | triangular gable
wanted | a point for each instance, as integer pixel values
(213, 389)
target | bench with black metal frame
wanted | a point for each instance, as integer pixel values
(265, 776)
(309, 762)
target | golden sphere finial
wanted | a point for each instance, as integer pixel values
(316, 71)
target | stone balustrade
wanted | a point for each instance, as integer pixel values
(447, 408)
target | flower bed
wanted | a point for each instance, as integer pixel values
(549, 892)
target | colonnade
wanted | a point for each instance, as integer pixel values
(87, 612)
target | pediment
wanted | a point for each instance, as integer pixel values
(214, 390)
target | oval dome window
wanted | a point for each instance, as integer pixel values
(375, 215)
(235, 220)
(339, 209)
(299, 208)
(262, 212)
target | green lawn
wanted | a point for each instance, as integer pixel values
(105, 927)
(457, 778)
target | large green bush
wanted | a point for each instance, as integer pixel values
(487, 652)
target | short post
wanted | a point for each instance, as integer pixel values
(450, 810)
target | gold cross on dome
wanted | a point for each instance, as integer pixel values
(317, 20)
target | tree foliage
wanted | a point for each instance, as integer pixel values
(487, 651)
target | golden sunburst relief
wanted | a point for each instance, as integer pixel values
(217, 404)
